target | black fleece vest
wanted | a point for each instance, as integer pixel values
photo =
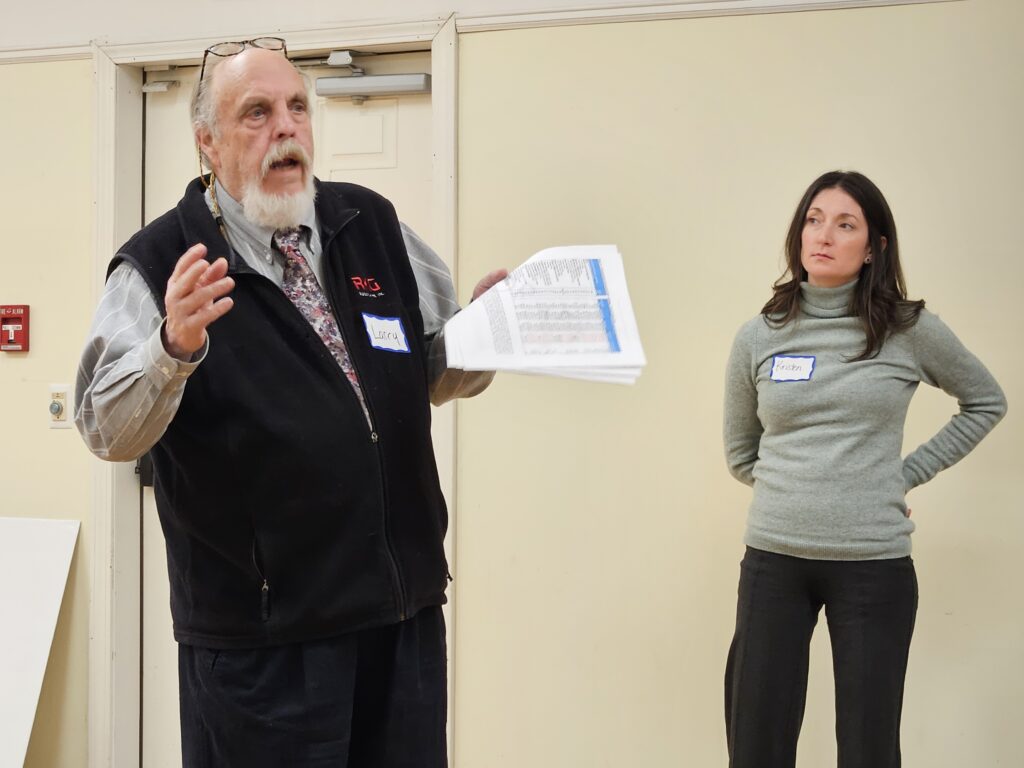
(287, 517)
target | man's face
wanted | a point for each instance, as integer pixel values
(261, 104)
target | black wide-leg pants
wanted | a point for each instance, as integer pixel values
(870, 606)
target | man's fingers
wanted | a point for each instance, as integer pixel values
(187, 259)
(198, 275)
(186, 333)
(204, 317)
(200, 271)
(214, 272)
(200, 297)
(185, 282)
(489, 280)
(494, 277)
(220, 308)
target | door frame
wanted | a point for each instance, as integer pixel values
(115, 612)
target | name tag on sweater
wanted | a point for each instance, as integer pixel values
(796, 368)
(386, 333)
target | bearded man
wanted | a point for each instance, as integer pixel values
(294, 472)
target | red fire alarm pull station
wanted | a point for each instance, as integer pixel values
(13, 328)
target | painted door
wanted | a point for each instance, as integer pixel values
(384, 144)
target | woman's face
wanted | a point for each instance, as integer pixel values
(834, 243)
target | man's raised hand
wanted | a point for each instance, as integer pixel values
(196, 296)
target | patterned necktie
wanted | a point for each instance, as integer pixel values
(302, 289)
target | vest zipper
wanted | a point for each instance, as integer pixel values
(385, 507)
(386, 517)
(265, 587)
(364, 404)
(396, 574)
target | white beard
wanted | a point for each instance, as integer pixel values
(278, 211)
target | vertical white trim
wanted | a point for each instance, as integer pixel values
(114, 589)
(444, 100)
(444, 104)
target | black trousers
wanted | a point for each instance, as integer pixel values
(870, 607)
(370, 699)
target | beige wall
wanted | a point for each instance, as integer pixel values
(46, 262)
(599, 531)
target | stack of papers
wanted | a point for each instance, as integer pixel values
(564, 312)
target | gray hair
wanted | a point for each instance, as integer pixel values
(203, 107)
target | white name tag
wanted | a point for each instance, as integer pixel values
(386, 333)
(796, 368)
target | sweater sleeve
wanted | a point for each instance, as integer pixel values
(742, 428)
(944, 362)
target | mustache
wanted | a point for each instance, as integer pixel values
(289, 149)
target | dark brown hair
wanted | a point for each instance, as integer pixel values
(880, 299)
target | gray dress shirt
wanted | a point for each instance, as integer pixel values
(128, 386)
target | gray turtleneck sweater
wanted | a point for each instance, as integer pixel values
(819, 438)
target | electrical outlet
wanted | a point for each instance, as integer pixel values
(60, 406)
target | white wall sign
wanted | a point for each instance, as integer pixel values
(35, 556)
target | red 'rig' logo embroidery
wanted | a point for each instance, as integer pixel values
(365, 284)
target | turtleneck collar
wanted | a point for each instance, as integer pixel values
(827, 302)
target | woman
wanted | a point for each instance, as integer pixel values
(817, 392)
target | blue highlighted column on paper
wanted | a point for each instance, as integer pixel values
(604, 305)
